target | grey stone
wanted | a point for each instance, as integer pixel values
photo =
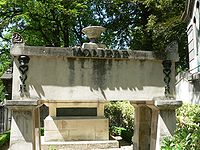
(23, 103)
(25, 132)
(68, 52)
(168, 104)
(83, 145)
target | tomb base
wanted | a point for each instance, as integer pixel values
(76, 128)
(79, 145)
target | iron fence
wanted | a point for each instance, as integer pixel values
(5, 119)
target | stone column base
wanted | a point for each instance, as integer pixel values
(25, 125)
(154, 120)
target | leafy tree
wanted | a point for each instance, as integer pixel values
(47, 22)
(4, 63)
(134, 24)
(165, 25)
(42, 22)
(143, 25)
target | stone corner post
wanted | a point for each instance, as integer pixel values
(141, 138)
(154, 120)
(25, 125)
(166, 119)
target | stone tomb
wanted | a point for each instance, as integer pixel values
(84, 80)
(84, 121)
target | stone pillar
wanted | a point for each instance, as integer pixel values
(25, 126)
(166, 119)
(100, 109)
(52, 109)
(141, 138)
(154, 120)
(37, 128)
(154, 127)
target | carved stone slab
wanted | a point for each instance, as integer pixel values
(74, 52)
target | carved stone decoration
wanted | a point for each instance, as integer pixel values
(100, 53)
(17, 38)
(172, 51)
(167, 70)
(93, 32)
(23, 68)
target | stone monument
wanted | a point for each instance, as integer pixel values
(76, 83)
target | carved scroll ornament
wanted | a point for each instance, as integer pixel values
(23, 68)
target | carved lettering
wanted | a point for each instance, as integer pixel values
(109, 54)
(125, 54)
(79, 52)
(99, 53)
(86, 53)
(116, 54)
(94, 53)
(74, 52)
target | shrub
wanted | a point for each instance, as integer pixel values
(116, 130)
(127, 135)
(4, 138)
(42, 131)
(120, 114)
(187, 135)
(121, 119)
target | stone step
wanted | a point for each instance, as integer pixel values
(79, 145)
(121, 148)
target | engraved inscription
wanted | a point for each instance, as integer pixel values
(78, 52)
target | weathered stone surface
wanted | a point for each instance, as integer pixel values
(25, 132)
(80, 145)
(168, 104)
(59, 73)
(75, 128)
(84, 53)
(61, 79)
(141, 138)
(154, 120)
(27, 102)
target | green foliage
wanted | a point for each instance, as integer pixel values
(121, 119)
(134, 24)
(187, 135)
(127, 135)
(4, 138)
(5, 61)
(42, 131)
(120, 114)
(164, 26)
(116, 130)
(50, 22)
(124, 133)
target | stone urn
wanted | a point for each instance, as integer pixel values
(93, 32)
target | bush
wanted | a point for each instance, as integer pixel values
(116, 130)
(4, 138)
(187, 135)
(127, 135)
(42, 131)
(120, 114)
(121, 119)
